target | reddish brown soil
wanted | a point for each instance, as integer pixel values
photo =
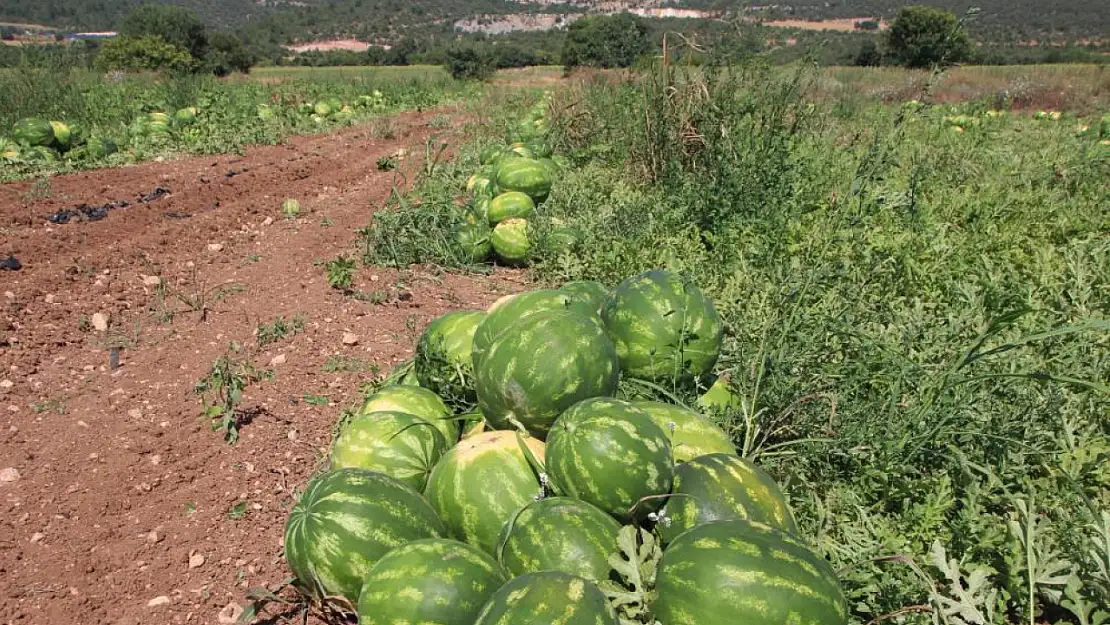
(120, 479)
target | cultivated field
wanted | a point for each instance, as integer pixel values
(911, 274)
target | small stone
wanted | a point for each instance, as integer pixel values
(277, 360)
(99, 322)
(151, 280)
(9, 295)
(6, 385)
(230, 614)
(350, 338)
(9, 474)
(156, 459)
(135, 413)
(215, 247)
(50, 298)
(158, 601)
(154, 537)
(374, 277)
(37, 537)
(82, 424)
(292, 435)
(196, 560)
(267, 221)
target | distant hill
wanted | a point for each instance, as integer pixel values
(284, 21)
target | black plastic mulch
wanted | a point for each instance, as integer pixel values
(85, 212)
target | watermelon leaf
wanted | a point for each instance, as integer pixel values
(636, 564)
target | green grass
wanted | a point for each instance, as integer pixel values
(915, 317)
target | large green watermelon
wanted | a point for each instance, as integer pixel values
(512, 308)
(345, 521)
(33, 131)
(186, 116)
(610, 453)
(739, 572)
(490, 154)
(474, 241)
(548, 598)
(510, 241)
(720, 487)
(524, 175)
(442, 362)
(481, 482)
(542, 365)
(663, 327)
(691, 434)
(98, 147)
(418, 401)
(586, 296)
(509, 205)
(564, 239)
(560, 534)
(434, 581)
(398, 444)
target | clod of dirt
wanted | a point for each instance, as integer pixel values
(154, 537)
(277, 360)
(9, 474)
(5, 386)
(99, 322)
(196, 560)
(350, 338)
(11, 263)
(37, 537)
(230, 614)
(158, 601)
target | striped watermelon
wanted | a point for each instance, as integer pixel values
(720, 487)
(434, 581)
(33, 131)
(611, 454)
(442, 362)
(560, 534)
(524, 175)
(586, 296)
(345, 521)
(548, 598)
(481, 482)
(691, 434)
(418, 401)
(509, 205)
(739, 572)
(398, 444)
(510, 309)
(473, 241)
(664, 328)
(510, 241)
(542, 365)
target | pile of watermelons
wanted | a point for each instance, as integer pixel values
(550, 494)
(511, 185)
(38, 140)
(334, 109)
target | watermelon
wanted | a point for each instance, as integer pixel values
(586, 296)
(77, 135)
(186, 116)
(564, 238)
(663, 327)
(33, 131)
(160, 117)
(479, 184)
(306, 109)
(489, 154)
(720, 487)
(510, 241)
(322, 109)
(691, 434)
(98, 147)
(610, 453)
(335, 105)
(397, 444)
(442, 362)
(345, 521)
(509, 205)
(417, 401)
(560, 534)
(739, 572)
(9, 149)
(548, 598)
(542, 365)
(719, 397)
(512, 308)
(61, 135)
(434, 581)
(39, 154)
(481, 482)
(522, 150)
(524, 175)
(474, 241)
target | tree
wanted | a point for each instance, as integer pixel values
(175, 25)
(869, 55)
(924, 36)
(469, 61)
(143, 53)
(605, 41)
(227, 54)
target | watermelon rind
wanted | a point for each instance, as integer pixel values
(32, 131)
(344, 522)
(511, 242)
(416, 400)
(740, 572)
(512, 308)
(586, 296)
(524, 175)
(479, 483)
(664, 328)
(611, 454)
(443, 355)
(548, 598)
(559, 534)
(435, 581)
(509, 205)
(398, 444)
(474, 242)
(542, 365)
(691, 434)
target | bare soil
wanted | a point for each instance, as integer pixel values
(127, 508)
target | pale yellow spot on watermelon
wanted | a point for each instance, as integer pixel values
(576, 590)
(706, 543)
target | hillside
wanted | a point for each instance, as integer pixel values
(384, 20)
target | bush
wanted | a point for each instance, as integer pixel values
(467, 61)
(144, 53)
(605, 41)
(925, 36)
(227, 54)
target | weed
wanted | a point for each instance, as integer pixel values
(221, 390)
(386, 163)
(316, 400)
(341, 273)
(279, 329)
(349, 364)
(326, 222)
(237, 511)
(56, 405)
(440, 122)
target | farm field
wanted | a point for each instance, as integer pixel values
(911, 276)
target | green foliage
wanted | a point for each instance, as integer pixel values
(279, 329)
(925, 36)
(144, 52)
(175, 25)
(226, 54)
(469, 62)
(341, 273)
(222, 391)
(605, 41)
